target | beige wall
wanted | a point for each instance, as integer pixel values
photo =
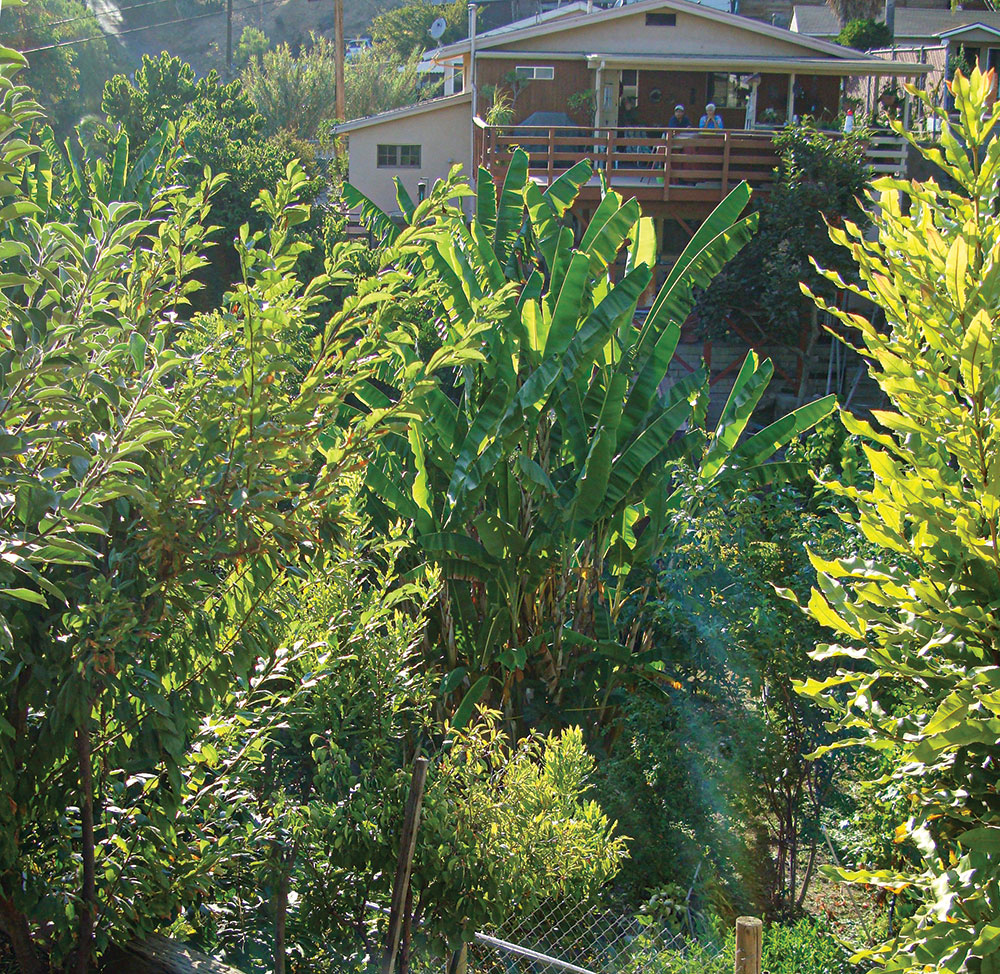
(443, 136)
(691, 35)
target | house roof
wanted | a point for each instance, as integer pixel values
(978, 25)
(531, 28)
(911, 22)
(430, 105)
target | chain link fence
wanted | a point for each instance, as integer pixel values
(584, 940)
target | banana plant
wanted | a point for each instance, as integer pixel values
(71, 176)
(542, 475)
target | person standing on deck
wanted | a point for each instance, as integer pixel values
(710, 120)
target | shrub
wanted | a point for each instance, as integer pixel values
(917, 626)
(864, 35)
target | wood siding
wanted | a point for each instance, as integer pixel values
(569, 77)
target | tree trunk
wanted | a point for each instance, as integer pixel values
(280, 916)
(807, 879)
(88, 909)
(15, 925)
(810, 332)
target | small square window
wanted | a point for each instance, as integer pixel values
(409, 156)
(397, 156)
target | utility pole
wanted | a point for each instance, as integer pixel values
(338, 57)
(890, 17)
(229, 40)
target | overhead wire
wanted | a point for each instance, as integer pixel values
(133, 30)
(89, 15)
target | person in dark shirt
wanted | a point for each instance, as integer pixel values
(679, 119)
(628, 116)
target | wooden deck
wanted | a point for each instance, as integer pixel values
(682, 165)
(670, 166)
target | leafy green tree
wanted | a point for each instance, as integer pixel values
(819, 181)
(225, 133)
(253, 45)
(917, 625)
(380, 79)
(67, 80)
(863, 35)
(166, 88)
(541, 477)
(293, 92)
(164, 474)
(407, 28)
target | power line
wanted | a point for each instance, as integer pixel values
(89, 15)
(133, 30)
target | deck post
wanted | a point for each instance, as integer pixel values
(726, 145)
(668, 153)
(550, 162)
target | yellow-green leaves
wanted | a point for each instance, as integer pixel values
(923, 618)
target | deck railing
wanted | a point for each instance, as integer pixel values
(667, 164)
(670, 164)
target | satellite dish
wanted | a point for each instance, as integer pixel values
(438, 28)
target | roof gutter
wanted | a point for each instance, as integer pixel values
(749, 65)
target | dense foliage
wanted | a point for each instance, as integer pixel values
(224, 132)
(164, 473)
(864, 35)
(820, 179)
(66, 79)
(917, 625)
(406, 29)
(712, 769)
(541, 478)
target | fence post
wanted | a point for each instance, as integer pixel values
(458, 963)
(407, 843)
(748, 945)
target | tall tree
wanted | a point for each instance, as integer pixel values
(922, 617)
(162, 472)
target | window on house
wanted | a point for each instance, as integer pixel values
(534, 72)
(661, 20)
(728, 91)
(397, 156)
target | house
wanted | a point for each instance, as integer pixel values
(569, 72)
(936, 38)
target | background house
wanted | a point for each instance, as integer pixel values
(577, 64)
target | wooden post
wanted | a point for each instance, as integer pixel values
(407, 843)
(726, 146)
(550, 160)
(229, 40)
(458, 963)
(338, 60)
(748, 945)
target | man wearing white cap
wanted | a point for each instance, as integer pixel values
(679, 119)
(710, 120)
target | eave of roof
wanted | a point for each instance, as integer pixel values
(499, 36)
(431, 105)
(978, 25)
(744, 65)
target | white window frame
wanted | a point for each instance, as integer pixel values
(534, 72)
